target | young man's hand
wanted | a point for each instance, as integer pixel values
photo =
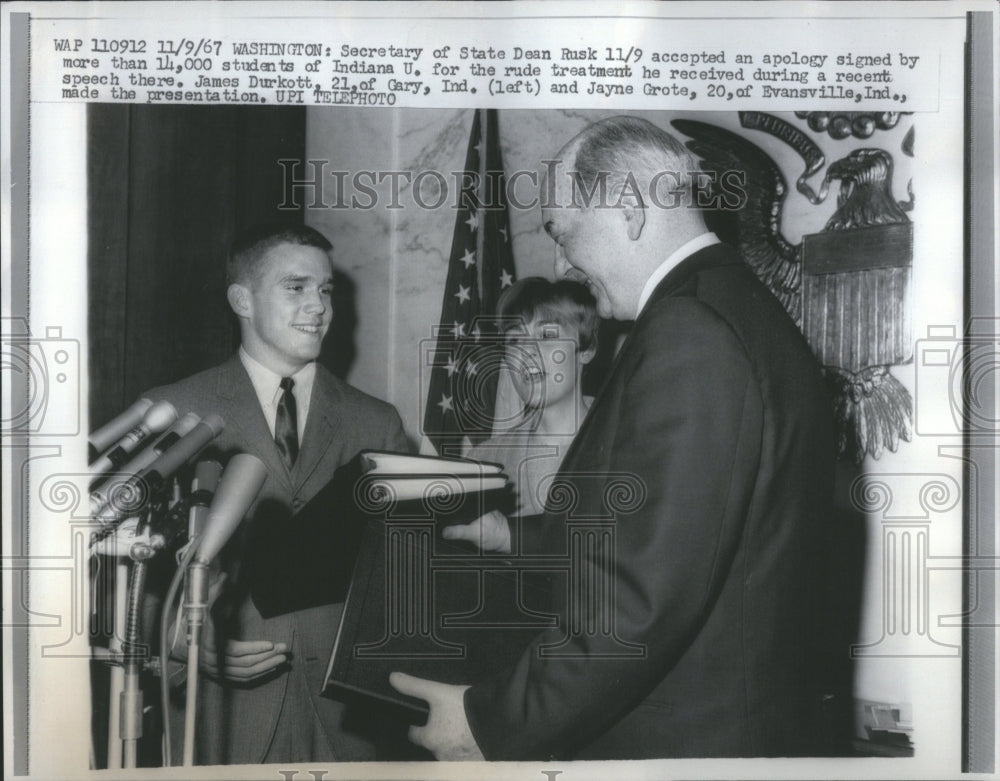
(242, 661)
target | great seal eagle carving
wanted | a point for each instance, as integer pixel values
(846, 287)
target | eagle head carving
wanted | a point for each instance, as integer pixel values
(865, 191)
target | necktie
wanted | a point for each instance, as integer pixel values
(286, 425)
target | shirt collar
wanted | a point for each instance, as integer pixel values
(687, 249)
(266, 382)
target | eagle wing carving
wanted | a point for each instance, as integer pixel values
(776, 262)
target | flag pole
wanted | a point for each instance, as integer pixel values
(480, 211)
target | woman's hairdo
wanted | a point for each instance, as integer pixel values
(565, 302)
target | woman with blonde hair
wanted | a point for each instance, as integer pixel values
(550, 331)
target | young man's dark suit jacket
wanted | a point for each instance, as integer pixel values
(237, 723)
(717, 406)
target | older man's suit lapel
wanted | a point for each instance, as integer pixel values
(674, 283)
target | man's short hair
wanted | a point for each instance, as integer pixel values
(623, 145)
(244, 266)
(568, 303)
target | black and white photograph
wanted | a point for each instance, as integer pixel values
(531, 385)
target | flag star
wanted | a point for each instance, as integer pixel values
(506, 280)
(451, 366)
(479, 147)
(458, 329)
(476, 333)
(445, 403)
(471, 368)
(463, 294)
(468, 258)
(504, 232)
(473, 221)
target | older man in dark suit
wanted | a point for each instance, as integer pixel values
(702, 643)
(263, 703)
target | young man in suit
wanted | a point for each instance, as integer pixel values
(716, 410)
(262, 703)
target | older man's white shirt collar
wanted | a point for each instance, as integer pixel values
(266, 384)
(706, 239)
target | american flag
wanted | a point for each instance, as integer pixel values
(467, 356)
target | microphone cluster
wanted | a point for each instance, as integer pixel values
(134, 460)
(128, 492)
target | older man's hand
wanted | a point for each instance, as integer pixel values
(490, 532)
(446, 735)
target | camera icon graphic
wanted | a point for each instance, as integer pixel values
(44, 377)
(532, 371)
(956, 376)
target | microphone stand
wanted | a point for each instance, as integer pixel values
(126, 699)
(117, 675)
(130, 720)
(195, 604)
(242, 481)
(153, 483)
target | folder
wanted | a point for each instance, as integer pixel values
(423, 605)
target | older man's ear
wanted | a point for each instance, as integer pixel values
(635, 216)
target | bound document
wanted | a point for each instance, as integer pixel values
(390, 478)
(419, 603)
(396, 464)
(301, 560)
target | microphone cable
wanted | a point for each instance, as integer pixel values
(185, 556)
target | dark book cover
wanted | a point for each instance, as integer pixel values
(297, 560)
(431, 607)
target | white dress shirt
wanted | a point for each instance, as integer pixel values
(267, 385)
(706, 239)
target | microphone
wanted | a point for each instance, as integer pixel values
(155, 419)
(206, 480)
(167, 440)
(147, 482)
(240, 484)
(114, 429)
(237, 490)
(109, 492)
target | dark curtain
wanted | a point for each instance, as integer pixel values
(169, 187)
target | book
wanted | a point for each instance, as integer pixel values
(387, 481)
(390, 489)
(424, 605)
(382, 462)
(301, 560)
